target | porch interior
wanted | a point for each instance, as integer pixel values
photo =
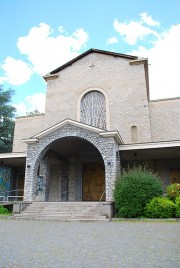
(163, 161)
(12, 175)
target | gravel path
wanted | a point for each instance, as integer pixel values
(84, 245)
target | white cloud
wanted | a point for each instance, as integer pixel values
(36, 101)
(61, 29)
(112, 40)
(164, 58)
(33, 102)
(147, 19)
(21, 108)
(17, 72)
(134, 30)
(46, 52)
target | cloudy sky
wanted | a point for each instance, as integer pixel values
(38, 36)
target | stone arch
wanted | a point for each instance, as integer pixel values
(89, 90)
(46, 149)
(107, 148)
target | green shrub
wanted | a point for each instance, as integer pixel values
(134, 189)
(177, 207)
(160, 207)
(4, 210)
(173, 191)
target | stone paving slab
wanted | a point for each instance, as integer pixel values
(89, 245)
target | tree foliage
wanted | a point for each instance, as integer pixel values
(35, 112)
(6, 120)
(173, 191)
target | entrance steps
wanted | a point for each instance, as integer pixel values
(63, 211)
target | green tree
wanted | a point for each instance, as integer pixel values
(6, 120)
(32, 113)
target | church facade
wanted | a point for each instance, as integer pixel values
(98, 118)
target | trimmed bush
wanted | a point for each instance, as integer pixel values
(160, 207)
(134, 189)
(173, 191)
(4, 210)
(177, 207)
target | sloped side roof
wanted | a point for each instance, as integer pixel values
(92, 50)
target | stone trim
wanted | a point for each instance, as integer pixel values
(114, 134)
(61, 124)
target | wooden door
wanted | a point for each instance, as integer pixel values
(174, 174)
(93, 181)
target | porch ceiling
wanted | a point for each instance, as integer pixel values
(72, 146)
(147, 154)
(13, 159)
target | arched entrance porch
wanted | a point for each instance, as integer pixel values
(71, 170)
(103, 144)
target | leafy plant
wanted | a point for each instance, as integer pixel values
(6, 120)
(177, 207)
(173, 191)
(4, 211)
(159, 207)
(134, 189)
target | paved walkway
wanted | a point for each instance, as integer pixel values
(84, 245)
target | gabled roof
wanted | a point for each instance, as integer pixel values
(100, 131)
(93, 50)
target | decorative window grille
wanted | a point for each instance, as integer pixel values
(93, 109)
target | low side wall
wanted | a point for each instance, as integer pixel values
(108, 209)
(20, 206)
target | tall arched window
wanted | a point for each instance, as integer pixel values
(93, 109)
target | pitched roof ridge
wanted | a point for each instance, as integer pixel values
(115, 54)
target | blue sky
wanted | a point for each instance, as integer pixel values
(38, 36)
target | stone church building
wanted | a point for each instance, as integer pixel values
(98, 118)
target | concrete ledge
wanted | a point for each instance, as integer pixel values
(20, 206)
(145, 219)
(6, 217)
(108, 209)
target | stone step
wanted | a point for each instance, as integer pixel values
(64, 219)
(64, 203)
(63, 207)
(63, 211)
(60, 216)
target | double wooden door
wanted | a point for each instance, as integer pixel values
(174, 174)
(93, 178)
